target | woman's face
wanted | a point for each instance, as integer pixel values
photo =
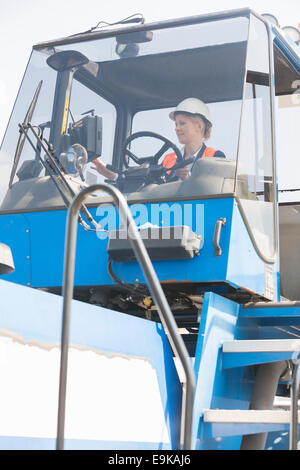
(188, 130)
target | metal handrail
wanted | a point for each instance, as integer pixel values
(295, 391)
(165, 314)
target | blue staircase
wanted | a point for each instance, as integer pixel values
(233, 342)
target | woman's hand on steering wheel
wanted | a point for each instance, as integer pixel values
(154, 159)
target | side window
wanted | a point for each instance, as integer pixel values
(255, 178)
(157, 121)
(288, 141)
(223, 136)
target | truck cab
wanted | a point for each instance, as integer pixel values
(107, 95)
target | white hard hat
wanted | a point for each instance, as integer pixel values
(192, 106)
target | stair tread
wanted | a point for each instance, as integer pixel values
(247, 416)
(283, 403)
(265, 345)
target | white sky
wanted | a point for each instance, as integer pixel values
(27, 22)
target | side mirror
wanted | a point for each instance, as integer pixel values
(74, 160)
(66, 60)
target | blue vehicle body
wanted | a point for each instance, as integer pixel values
(22, 233)
(225, 286)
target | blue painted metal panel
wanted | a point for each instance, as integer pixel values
(15, 232)
(217, 388)
(269, 323)
(36, 316)
(247, 359)
(277, 441)
(266, 316)
(47, 240)
(204, 268)
(245, 267)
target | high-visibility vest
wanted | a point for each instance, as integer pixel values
(171, 158)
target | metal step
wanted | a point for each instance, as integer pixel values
(240, 353)
(263, 345)
(236, 422)
(247, 416)
(283, 403)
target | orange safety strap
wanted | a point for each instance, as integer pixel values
(170, 159)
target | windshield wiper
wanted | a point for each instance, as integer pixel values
(53, 166)
(22, 135)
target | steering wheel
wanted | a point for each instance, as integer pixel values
(154, 159)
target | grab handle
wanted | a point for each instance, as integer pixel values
(217, 234)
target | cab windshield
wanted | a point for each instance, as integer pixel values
(97, 93)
